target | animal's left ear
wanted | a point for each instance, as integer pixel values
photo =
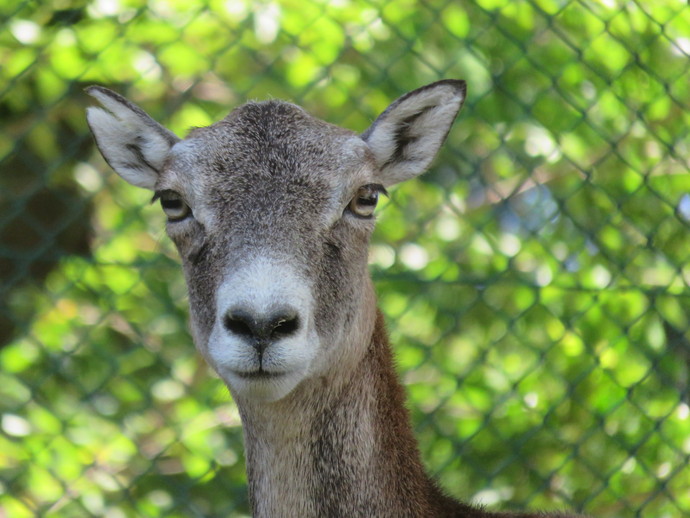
(406, 137)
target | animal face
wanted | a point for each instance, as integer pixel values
(272, 227)
(271, 210)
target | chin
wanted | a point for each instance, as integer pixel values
(261, 387)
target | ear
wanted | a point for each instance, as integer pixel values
(406, 137)
(132, 143)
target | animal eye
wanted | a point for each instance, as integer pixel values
(174, 206)
(364, 202)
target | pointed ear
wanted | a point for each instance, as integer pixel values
(132, 143)
(406, 137)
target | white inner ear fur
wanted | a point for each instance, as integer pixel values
(130, 142)
(423, 120)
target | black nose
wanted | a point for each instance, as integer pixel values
(262, 330)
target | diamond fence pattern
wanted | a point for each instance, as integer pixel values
(535, 281)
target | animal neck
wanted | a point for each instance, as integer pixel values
(339, 449)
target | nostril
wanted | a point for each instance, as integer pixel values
(239, 323)
(284, 325)
(275, 326)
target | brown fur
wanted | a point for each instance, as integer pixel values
(390, 480)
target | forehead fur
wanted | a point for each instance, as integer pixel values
(265, 142)
(276, 130)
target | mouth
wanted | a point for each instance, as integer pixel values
(259, 374)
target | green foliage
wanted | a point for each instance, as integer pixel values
(535, 281)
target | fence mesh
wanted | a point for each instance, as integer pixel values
(535, 281)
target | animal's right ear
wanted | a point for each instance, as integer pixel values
(132, 143)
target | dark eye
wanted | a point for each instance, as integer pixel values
(364, 202)
(174, 206)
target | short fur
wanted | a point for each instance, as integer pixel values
(263, 208)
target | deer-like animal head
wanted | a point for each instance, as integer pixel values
(271, 210)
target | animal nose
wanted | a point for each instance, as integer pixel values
(262, 330)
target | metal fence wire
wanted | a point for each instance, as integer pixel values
(535, 281)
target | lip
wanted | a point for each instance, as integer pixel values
(259, 374)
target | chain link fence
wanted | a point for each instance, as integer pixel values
(535, 281)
